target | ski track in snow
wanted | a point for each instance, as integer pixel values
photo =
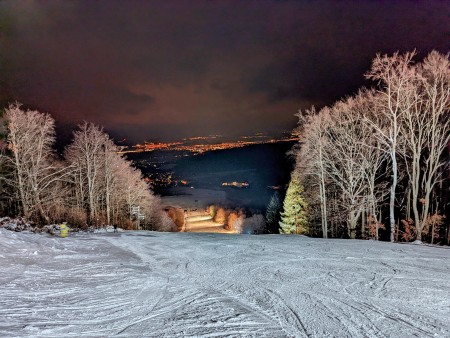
(142, 284)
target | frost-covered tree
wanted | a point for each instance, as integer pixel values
(95, 184)
(86, 155)
(37, 175)
(105, 185)
(312, 160)
(294, 218)
(412, 122)
(394, 77)
(354, 159)
(425, 132)
(354, 153)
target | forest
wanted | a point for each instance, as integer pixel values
(90, 185)
(376, 164)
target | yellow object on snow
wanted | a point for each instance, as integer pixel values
(64, 229)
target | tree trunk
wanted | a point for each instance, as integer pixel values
(20, 182)
(42, 213)
(108, 209)
(352, 222)
(323, 200)
(323, 209)
(392, 197)
(363, 224)
(432, 233)
(408, 205)
(377, 222)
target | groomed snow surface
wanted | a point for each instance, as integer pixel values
(142, 284)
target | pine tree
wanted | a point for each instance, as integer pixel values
(273, 212)
(294, 216)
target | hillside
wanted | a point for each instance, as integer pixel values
(186, 284)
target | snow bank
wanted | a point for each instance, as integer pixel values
(184, 284)
(21, 224)
(105, 229)
(18, 224)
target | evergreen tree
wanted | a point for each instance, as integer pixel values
(294, 216)
(273, 213)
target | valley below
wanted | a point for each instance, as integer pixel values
(237, 177)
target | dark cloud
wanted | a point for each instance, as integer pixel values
(166, 69)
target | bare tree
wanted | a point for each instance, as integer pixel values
(425, 131)
(311, 155)
(95, 184)
(105, 184)
(346, 159)
(31, 135)
(86, 155)
(373, 155)
(339, 149)
(135, 190)
(111, 161)
(402, 128)
(393, 74)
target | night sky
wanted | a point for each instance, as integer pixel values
(162, 70)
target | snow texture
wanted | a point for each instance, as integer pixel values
(142, 284)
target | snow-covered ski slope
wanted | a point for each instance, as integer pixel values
(141, 284)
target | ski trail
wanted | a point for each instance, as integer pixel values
(214, 285)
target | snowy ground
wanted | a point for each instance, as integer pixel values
(186, 284)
